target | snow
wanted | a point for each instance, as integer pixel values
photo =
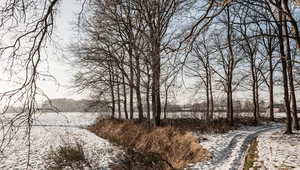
(278, 151)
(275, 150)
(228, 150)
(50, 131)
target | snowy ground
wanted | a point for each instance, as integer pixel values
(50, 131)
(228, 150)
(276, 151)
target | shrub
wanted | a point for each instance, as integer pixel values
(67, 156)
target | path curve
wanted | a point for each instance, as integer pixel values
(231, 156)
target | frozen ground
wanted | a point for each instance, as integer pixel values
(50, 131)
(276, 151)
(228, 150)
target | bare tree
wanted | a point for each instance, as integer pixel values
(201, 67)
(229, 57)
(250, 48)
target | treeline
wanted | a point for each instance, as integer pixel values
(70, 105)
(219, 106)
(136, 52)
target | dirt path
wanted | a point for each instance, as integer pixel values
(229, 149)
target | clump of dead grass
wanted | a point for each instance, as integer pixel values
(172, 146)
(135, 160)
(69, 155)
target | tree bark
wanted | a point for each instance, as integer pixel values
(257, 99)
(119, 98)
(290, 77)
(137, 87)
(271, 84)
(284, 76)
(211, 107)
(207, 96)
(113, 102)
(148, 95)
(254, 109)
(229, 71)
(125, 97)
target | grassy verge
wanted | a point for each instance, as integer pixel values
(252, 155)
(165, 147)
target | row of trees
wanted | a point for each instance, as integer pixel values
(142, 47)
(128, 47)
(135, 51)
(261, 38)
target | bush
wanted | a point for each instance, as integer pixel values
(67, 156)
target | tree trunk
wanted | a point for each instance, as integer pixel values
(253, 89)
(293, 22)
(148, 95)
(229, 71)
(291, 79)
(156, 90)
(231, 105)
(271, 85)
(137, 87)
(139, 104)
(257, 99)
(284, 76)
(111, 79)
(119, 98)
(125, 97)
(211, 106)
(207, 97)
(131, 85)
(166, 104)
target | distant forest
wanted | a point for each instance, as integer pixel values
(69, 105)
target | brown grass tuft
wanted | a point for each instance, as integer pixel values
(67, 156)
(172, 145)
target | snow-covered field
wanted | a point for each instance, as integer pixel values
(50, 131)
(276, 151)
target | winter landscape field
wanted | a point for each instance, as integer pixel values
(50, 130)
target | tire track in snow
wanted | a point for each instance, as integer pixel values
(232, 156)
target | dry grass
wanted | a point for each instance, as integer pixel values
(252, 155)
(172, 145)
(70, 156)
